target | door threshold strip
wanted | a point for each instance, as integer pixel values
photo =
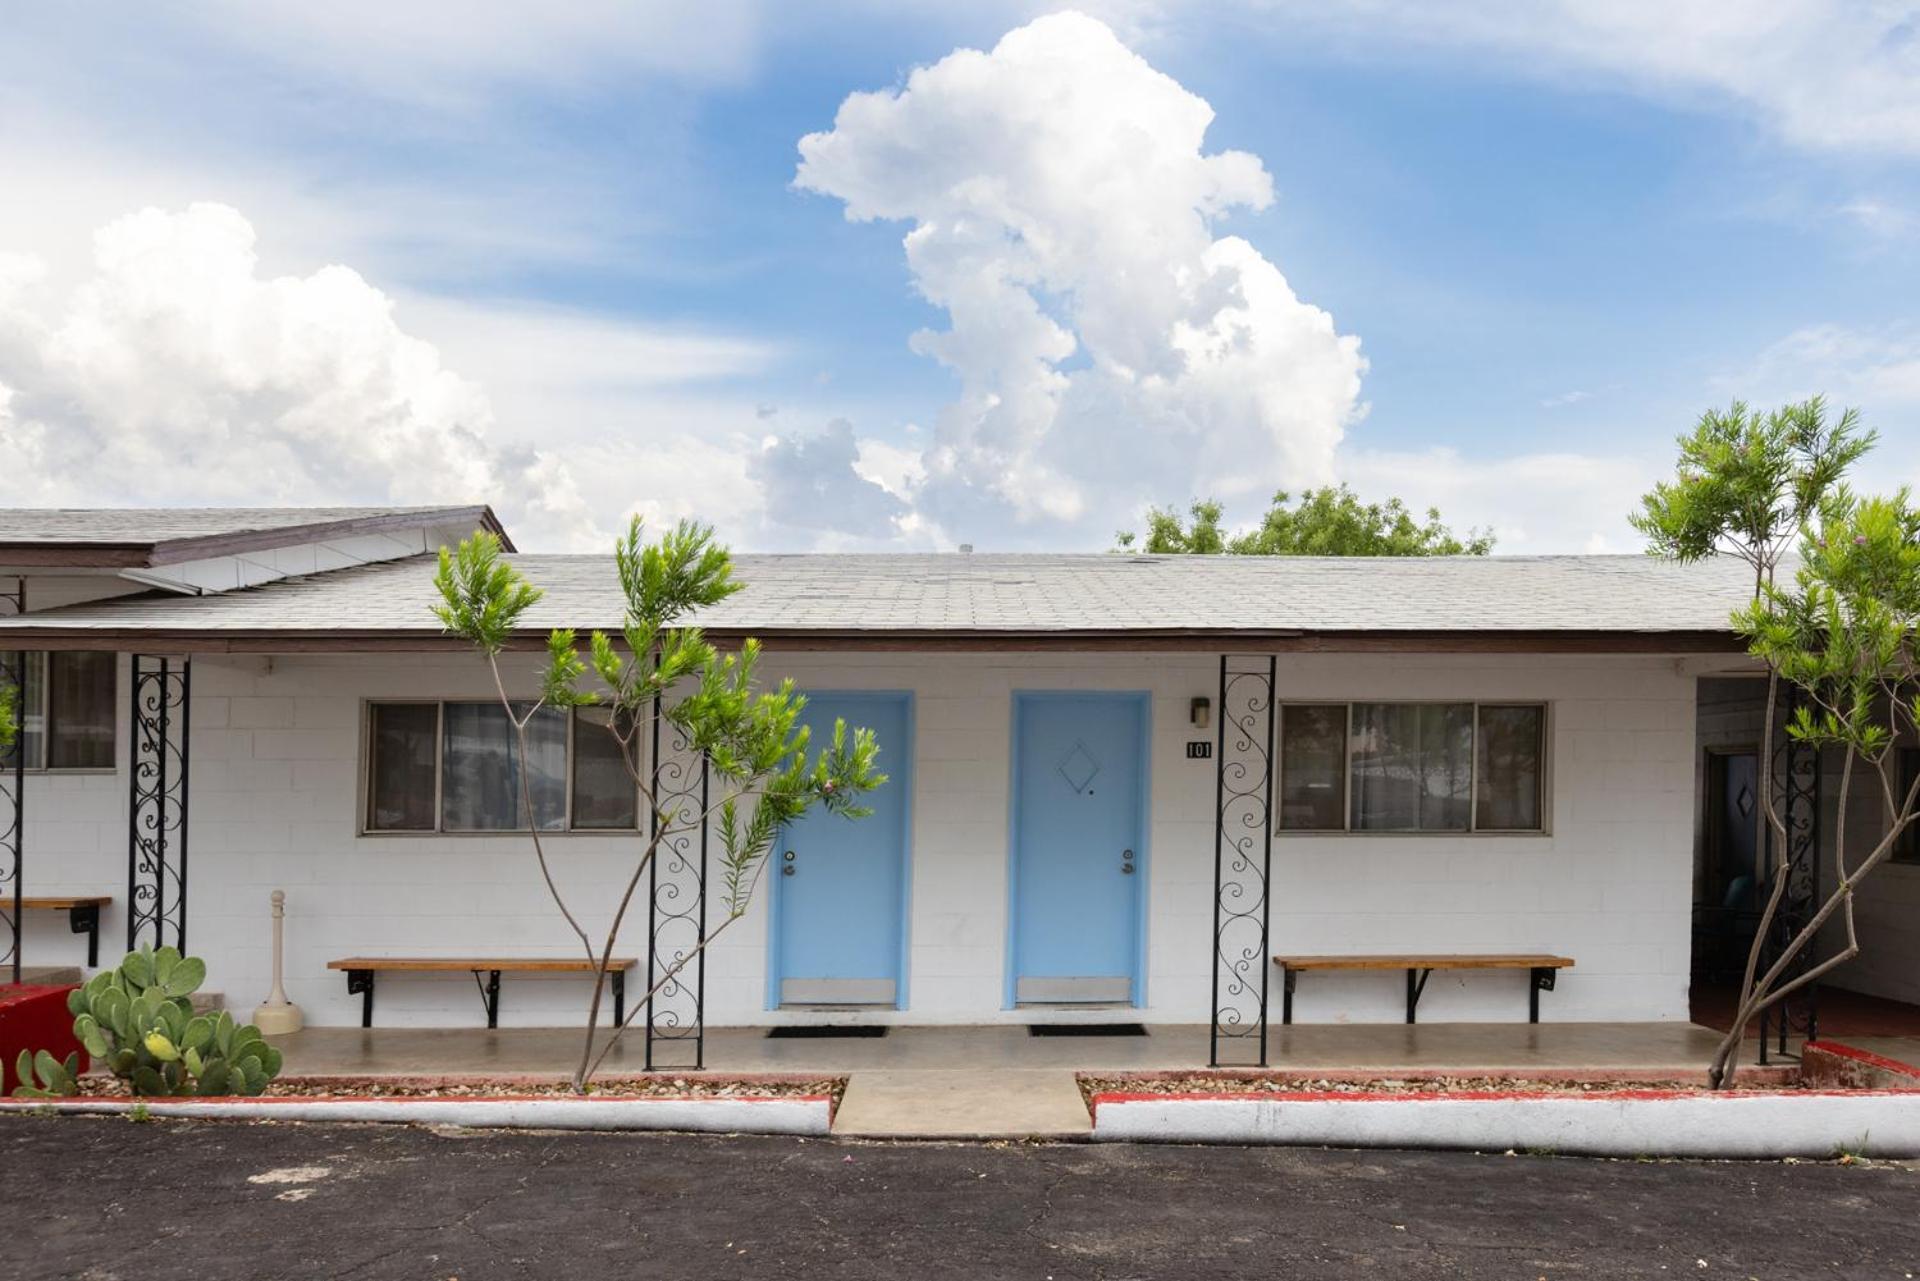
(1086, 1029)
(824, 1031)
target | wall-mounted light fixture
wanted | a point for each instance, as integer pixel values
(1197, 712)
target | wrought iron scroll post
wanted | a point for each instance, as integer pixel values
(1796, 777)
(13, 789)
(1243, 854)
(157, 796)
(677, 900)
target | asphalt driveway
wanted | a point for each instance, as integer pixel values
(103, 1198)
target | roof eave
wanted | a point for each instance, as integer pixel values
(389, 640)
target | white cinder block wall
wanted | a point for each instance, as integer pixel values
(275, 803)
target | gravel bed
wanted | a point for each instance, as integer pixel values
(651, 1087)
(1207, 1083)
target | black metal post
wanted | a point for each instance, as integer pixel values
(1796, 768)
(677, 901)
(13, 808)
(1243, 853)
(157, 794)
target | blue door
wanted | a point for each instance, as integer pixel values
(1078, 854)
(839, 883)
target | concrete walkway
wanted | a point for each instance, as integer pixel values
(972, 1103)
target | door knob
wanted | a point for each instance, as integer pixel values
(1126, 862)
(786, 863)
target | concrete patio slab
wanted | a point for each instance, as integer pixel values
(969, 1103)
(1678, 1048)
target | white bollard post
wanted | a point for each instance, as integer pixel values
(279, 1015)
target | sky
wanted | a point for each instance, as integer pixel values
(873, 276)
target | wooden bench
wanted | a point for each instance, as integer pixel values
(361, 969)
(83, 913)
(1543, 966)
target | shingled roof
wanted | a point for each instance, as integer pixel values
(1605, 602)
(144, 537)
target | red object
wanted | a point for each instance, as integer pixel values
(34, 1017)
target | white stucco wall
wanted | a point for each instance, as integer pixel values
(275, 799)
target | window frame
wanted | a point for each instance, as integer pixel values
(1473, 828)
(1906, 851)
(364, 826)
(43, 659)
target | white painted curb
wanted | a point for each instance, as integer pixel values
(809, 1115)
(1626, 1124)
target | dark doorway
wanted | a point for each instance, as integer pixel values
(1726, 910)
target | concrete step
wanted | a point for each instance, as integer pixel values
(50, 974)
(977, 1103)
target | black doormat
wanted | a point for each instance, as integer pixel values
(822, 1031)
(1086, 1029)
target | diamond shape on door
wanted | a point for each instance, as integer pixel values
(1078, 767)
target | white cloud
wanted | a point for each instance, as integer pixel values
(1874, 369)
(1110, 348)
(443, 54)
(813, 483)
(1878, 217)
(1533, 503)
(1821, 73)
(177, 373)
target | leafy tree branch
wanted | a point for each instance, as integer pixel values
(661, 671)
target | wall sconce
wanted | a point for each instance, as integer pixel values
(1197, 712)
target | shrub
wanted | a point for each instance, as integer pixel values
(137, 1019)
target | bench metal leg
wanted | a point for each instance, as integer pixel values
(1286, 994)
(1416, 984)
(360, 982)
(1543, 977)
(619, 998)
(490, 995)
(85, 919)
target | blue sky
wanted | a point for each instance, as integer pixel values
(1517, 249)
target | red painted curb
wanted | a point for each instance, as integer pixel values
(1476, 1096)
(171, 1100)
(1868, 1057)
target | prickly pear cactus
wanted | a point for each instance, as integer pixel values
(138, 1020)
(55, 1079)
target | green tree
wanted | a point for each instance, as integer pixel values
(1844, 635)
(1330, 521)
(764, 775)
(1840, 637)
(1748, 483)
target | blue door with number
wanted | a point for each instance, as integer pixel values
(840, 884)
(1078, 850)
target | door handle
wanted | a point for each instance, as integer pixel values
(786, 863)
(1126, 862)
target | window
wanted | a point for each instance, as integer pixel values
(456, 767)
(403, 786)
(66, 711)
(604, 797)
(1907, 850)
(1313, 766)
(1412, 767)
(1510, 743)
